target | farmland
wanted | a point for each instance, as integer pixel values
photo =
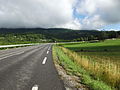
(100, 58)
(109, 49)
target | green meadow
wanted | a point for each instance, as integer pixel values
(108, 50)
(107, 45)
(100, 58)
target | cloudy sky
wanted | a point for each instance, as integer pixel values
(74, 14)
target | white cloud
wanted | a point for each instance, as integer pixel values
(74, 24)
(35, 13)
(92, 22)
(54, 13)
(99, 12)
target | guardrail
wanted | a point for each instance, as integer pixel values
(7, 46)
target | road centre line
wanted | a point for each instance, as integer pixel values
(35, 87)
(47, 52)
(44, 60)
(49, 48)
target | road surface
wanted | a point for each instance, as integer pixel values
(29, 68)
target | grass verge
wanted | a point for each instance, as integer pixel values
(73, 68)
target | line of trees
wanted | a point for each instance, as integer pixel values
(22, 38)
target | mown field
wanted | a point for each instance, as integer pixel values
(107, 50)
(107, 45)
(101, 59)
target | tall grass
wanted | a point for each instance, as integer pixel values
(73, 68)
(104, 70)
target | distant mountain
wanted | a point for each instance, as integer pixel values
(58, 33)
(61, 34)
(36, 30)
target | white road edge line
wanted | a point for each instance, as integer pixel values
(47, 52)
(44, 61)
(35, 87)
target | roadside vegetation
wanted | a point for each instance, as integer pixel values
(100, 59)
(67, 60)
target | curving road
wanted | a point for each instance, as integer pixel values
(29, 68)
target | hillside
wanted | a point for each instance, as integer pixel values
(53, 34)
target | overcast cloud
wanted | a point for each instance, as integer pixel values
(99, 12)
(54, 13)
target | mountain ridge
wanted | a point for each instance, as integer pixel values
(62, 34)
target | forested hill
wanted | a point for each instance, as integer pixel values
(55, 34)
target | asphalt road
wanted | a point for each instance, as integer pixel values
(29, 68)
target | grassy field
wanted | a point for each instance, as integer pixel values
(107, 45)
(102, 59)
(107, 50)
(73, 68)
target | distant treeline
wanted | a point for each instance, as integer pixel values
(29, 35)
(12, 38)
